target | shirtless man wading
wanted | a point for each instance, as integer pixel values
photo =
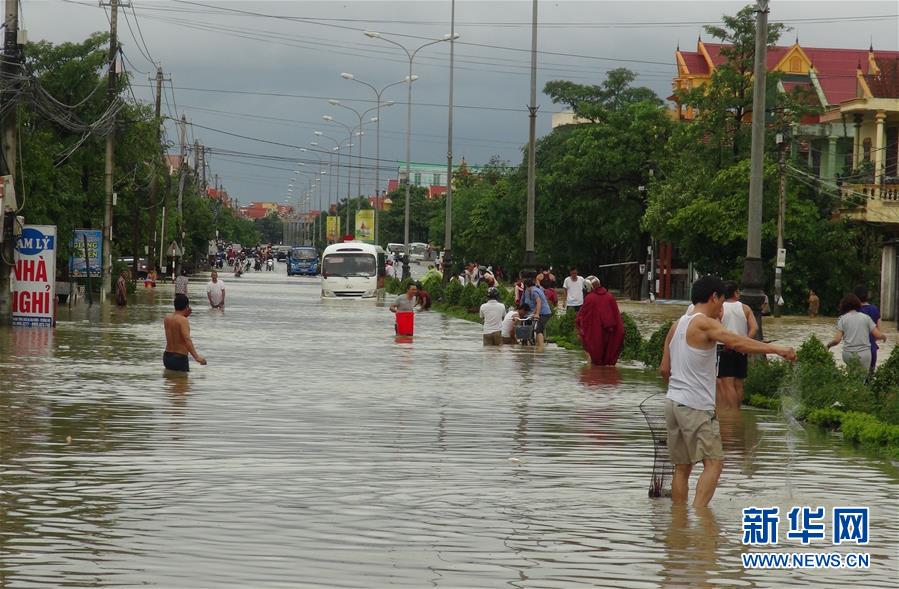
(177, 337)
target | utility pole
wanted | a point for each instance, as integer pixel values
(112, 94)
(781, 209)
(11, 59)
(203, 170)
(753, 271)
(448, 222)
(154, 180)
(530, 254)
(182, 180)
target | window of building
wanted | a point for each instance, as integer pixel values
(417, 178)
(866, 149)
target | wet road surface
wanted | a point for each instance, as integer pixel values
(316, 450)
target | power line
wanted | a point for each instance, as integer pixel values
(325, 98)
(317, 125)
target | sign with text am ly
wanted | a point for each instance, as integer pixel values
(79, 266)
(365, 225)
(34, 273)
(333, 228)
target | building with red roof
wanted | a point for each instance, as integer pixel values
(856, 92)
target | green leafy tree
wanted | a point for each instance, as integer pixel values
(592, 102)
(270, 227)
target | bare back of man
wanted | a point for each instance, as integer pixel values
(178, 343)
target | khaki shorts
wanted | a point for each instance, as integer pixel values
(493, 339)
(693, 434)
(508, 340)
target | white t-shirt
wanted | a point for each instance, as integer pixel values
(216, 291)
(509, 323)
(575, 290)
(492, 313)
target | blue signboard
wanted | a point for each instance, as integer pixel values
(78, 266)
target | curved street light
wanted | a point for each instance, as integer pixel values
(409, 79)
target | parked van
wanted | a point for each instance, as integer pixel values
(302, 260)
(353, 269)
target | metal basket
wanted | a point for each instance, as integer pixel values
(653, 409)
(524, 331)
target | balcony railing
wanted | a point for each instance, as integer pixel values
(873, 203)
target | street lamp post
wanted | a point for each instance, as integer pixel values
(334, 149)
(321, 172)
(360, 116)
(378, 94)
(409, 79)
(448, 221)
(349, 168)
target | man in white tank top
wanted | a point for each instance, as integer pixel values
(732, 365)
(688, 364)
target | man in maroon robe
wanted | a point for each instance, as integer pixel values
(600, 326)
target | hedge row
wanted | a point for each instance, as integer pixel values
(866, 410)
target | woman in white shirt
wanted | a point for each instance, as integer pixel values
(511, 320)
(853, 329)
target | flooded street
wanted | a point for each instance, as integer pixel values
(316, 450)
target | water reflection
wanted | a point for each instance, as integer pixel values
(691, 539)
(314, 441)
(600, 377)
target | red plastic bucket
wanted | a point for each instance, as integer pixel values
(405, 322)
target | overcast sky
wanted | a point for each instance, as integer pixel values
(300, 48)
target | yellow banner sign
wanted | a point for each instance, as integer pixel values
(365, 225)
(333, 228)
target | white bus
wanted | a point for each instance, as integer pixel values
(353, 270)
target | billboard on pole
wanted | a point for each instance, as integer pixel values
(365, 225)
(333, 228)
(79, 266)
(34, 273)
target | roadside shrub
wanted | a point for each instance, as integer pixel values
(633, 341)
(827, 417)
(562, 329)
(765, 377)
(818, 379)
(888, 407)
(871, 433)
(472, 297)
(452, 292)
(393, 286)
(765, 402)
(434, 286)
(651, 354)
(885, 385)
(862, 429)
(507, 296)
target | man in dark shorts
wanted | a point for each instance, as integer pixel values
(177, 337)
(738, 318)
